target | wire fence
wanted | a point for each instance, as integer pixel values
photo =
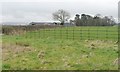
(64, 32)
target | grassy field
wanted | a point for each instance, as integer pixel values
(71, 48)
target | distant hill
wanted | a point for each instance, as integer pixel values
(41, 23)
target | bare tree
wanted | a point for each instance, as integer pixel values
(61, 15)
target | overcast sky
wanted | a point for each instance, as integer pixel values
(41, 10)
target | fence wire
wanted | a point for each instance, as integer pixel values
(64, 32)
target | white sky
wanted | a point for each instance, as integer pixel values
(41, 10)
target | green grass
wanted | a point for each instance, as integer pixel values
(89, 48)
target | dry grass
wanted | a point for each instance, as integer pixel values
(9, 50)
(101, 44)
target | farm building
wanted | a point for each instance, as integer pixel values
(50, 23)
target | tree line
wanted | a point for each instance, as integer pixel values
(97, 20)
(84, 19)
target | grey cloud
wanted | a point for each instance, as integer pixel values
(31, 11)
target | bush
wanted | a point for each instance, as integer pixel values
(11, 30)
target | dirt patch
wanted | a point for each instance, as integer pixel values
(9, 50)
(101, 44)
